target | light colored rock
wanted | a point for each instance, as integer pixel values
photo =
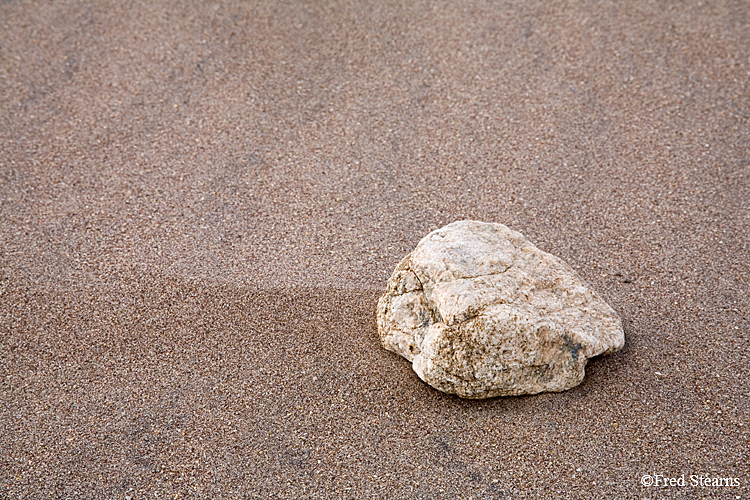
(481, 312)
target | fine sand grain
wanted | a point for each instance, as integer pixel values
(201, 202)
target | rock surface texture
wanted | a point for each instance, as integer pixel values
(481, 312)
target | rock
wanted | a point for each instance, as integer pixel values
(481, 312)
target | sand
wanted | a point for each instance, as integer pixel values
(200, 204)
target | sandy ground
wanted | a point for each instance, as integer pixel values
(201, 202)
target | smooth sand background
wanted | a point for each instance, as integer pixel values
(201, 202)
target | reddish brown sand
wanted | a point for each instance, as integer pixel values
(200, 204)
